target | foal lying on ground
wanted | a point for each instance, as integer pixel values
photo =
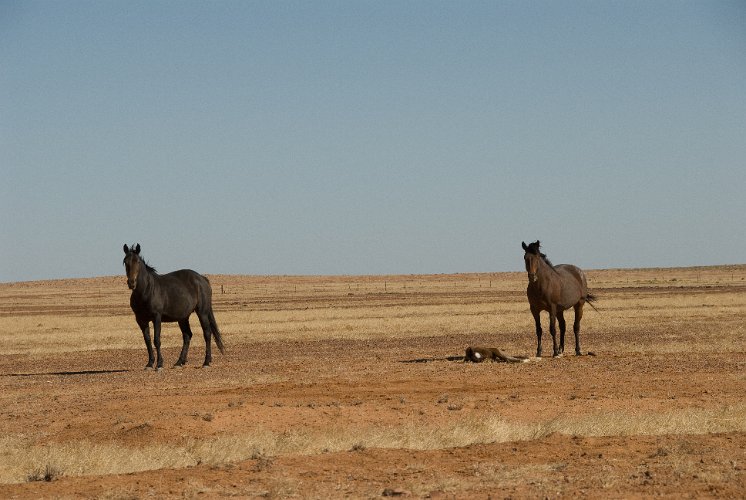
(479, 354)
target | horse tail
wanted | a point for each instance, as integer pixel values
(590, 299)
(216, 332)
(211, 318)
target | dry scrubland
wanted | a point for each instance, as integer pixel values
(341, 386)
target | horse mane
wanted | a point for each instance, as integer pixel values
(149, 268)
(546, 259)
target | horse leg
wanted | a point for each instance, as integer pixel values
(145, 327)
(553, 330)
(576, 326)
(186, 334)
(537, 320)
(561, 321)
(157, 340)
(204, 321)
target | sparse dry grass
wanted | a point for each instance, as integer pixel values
(257, 309)
(23, 458)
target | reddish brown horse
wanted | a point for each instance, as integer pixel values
(555, 289)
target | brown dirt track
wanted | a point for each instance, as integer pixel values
(341, 387)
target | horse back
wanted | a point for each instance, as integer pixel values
(187, 278)
(187, 285)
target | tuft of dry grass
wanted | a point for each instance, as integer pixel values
(47, 473)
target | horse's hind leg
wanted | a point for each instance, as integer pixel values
(562, 325)
(186, 334)
(576, 326)
(204, 321)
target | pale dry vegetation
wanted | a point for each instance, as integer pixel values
(22, 455)
(315, 366)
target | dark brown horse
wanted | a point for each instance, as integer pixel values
(555, 289)
(171, 297)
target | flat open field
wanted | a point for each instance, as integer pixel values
(342, 387)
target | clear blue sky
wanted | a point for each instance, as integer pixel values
(369, 137)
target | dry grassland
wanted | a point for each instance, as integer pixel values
(341, 386)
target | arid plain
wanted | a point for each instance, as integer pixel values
(337, 387)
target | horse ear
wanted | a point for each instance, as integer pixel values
(525, 248)
(126, 250)
(137, 249)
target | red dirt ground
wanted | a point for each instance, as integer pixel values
(332, 385)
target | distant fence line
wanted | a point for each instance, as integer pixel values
(373, 284)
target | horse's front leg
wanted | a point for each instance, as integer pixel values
(157, 340)
(537, 319)
(145, 327)
(553, 330)
(562, 325)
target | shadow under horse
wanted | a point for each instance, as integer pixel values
(170, 298)
(555, 289)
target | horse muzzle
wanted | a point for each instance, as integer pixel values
(532, 278)
(131, 284)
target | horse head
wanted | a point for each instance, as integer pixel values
(532, 257)
(132, 264)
